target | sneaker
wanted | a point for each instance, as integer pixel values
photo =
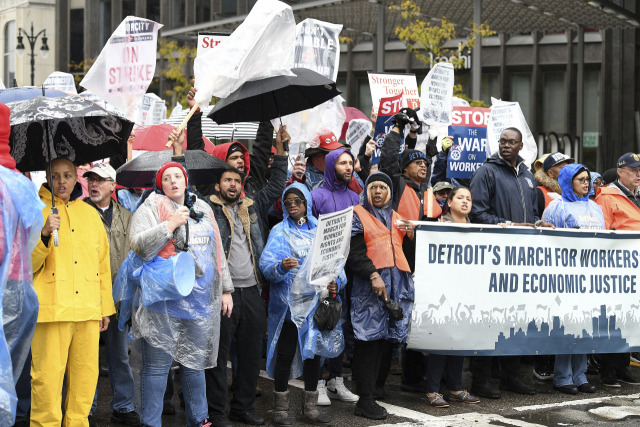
(130, 418)
(542, 373)
(628, 378)
(323, 399)
(464, 396)
(437, 400)
(336, 386)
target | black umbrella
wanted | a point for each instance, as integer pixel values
(140, 172)
(43, 129)
(266, 99)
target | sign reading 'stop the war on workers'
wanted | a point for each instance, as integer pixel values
(469, 131)
(123, 71)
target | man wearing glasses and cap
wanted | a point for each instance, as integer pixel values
(620, 202)
(101, 183)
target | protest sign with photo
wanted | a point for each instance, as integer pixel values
(388, 108)
(151, 110)
(385, 85)
(208, 40)
(528, 291)
(123, 71)
(469, 131)
(506, 114)
(330, 247)
(318, 47)
(357, 132)
(436, 94)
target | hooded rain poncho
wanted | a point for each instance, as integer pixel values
(289, 240)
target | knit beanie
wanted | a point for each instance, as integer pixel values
(409, 156)
(166, 166)
(5, 130)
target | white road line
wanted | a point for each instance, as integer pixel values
(467, 419)
(575, 402)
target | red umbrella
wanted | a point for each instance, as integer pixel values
(352, 113)
(154, 138)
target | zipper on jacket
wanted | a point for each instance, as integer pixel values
(524, 208)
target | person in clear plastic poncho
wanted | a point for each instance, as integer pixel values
(295, 345)
(174, 293)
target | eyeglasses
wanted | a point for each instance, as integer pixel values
(290, 202)
(98, 180)
(582, 180)
(633, 171)
(421, 162)
(510, 142)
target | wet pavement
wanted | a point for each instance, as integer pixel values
(608, 406)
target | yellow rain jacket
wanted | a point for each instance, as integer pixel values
(73, 280)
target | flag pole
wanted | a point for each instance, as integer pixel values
(186, 119)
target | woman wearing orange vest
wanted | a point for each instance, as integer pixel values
(381, 272)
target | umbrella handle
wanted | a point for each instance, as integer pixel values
(55, 232)
(186, 119)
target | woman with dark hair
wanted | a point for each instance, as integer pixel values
(381, 272)
(457, 208)
(174, 289)
(295, 345)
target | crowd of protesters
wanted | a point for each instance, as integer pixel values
(245, 239)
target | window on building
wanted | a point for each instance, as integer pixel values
(153, 10)
(203, 11)
(178, 15)
(520, 91)
(76, 38)
(104, 22)
(591, 100)
(364, 96)
(229, 7)
(9, 53)
(128, 8)
(553, 102)
(490, 87)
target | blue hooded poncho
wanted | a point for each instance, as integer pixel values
(287, 239)
(369, 318)
(20, 226)
(572, 211)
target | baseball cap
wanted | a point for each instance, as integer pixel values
(328, 141)
(555, 158)
(630, 160)
(102, 170)
(442, 185)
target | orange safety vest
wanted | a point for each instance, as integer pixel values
(409, 205)
(547, 199)
(384, 247)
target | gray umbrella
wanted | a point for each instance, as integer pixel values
(266, 99)
(140, 172)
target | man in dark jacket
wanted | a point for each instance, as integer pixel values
(503, 191)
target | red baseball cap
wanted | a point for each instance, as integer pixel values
(329, 142)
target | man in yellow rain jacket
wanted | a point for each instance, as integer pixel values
(73, 283)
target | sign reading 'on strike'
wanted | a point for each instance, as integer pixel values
(469, 131)
(520, 290)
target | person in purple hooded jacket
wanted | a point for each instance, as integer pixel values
(334, 194)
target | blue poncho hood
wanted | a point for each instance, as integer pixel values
(308, 203)
(565, 178)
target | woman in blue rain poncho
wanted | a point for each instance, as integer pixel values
(295, 348)
(381, 272)
(573, 210)
(175, 316)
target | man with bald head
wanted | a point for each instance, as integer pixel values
(73, 283)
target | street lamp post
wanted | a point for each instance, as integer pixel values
(32, 38)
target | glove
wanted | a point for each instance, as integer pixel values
(432, 148)
(414, 121)
(401, 119)
(446, 144)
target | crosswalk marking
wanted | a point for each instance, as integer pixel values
(574, 402)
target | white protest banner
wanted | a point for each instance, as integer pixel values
(436, 94)
(61, 81)
(357, 132)
(469, 131)
(386, 85)
(123, 71)
(519, 290)
(506, 114)
(209, 40)
(331, 246)
(261, 47)
(151, 110)
(318, 47)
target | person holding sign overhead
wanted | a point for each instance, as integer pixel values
(381, 273)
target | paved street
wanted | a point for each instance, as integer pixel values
(548, 408)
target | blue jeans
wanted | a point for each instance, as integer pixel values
(155, 367)
(120, 376)
(570, 369)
